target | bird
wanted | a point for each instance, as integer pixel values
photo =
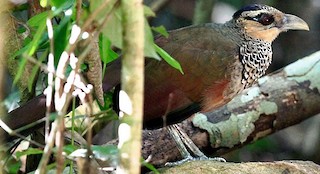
(218, 62)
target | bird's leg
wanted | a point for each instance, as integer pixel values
(182, 140)
(180, 145)
(193, 148)
(189, 143)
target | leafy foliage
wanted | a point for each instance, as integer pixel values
(95, 19)
(170, 60)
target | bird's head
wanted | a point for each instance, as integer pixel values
(266, 23)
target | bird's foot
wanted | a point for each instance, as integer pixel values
(176, 163)
(218, 159)
(190, 158)
(183, 139)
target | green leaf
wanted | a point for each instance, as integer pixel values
(35, 42)
(38, 19)
(148, 12)
(161, 30)
(170, 60)
(69, 148)
(12, 165)
(103, 13)
(29, 151)
(31, 49)
(21, 30)
(113, 28)
(61, 3)
(107, 55)
(21, 51)
(105, 152)
(35, 70)
(113, 31)
(149, 49)
(149, 166)
(22, 64)
(60, 37)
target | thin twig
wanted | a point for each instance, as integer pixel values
(15, 133)
(49, 89)
(164, 117)
(47, 150)
(44, 68)
(79, 10)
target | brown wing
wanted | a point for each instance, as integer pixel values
(204, 54)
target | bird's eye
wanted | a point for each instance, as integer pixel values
(264, 19)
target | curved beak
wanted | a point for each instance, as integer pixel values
(292, 22)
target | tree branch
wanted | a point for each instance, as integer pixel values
(277, 167)
(279, 100)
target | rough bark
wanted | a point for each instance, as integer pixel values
(279, 100)
(277, 167)
(4, 17)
